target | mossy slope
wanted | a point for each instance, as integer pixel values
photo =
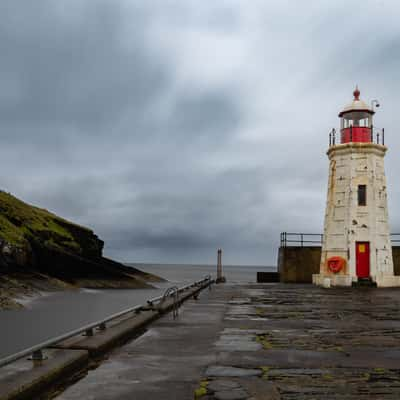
(36, 243)
(21, 223)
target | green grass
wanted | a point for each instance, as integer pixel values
(10, 233)
(20, 222)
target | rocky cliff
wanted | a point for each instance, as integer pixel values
(23, 227)
(40, 250)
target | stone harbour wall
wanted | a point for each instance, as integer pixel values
(297, 264)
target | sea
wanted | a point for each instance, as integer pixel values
(55, 313)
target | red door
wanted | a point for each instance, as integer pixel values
(362, 259)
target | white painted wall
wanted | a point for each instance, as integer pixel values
(346, 222)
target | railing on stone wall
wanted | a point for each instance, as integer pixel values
(300, 239)
(395, 237)
(315, 239)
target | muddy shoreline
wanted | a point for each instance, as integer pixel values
(18, 286)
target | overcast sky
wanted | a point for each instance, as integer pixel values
(174, 127)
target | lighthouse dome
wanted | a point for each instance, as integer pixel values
(356, 105)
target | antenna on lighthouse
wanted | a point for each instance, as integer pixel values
(376, 102)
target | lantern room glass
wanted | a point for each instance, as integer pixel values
(356, 118)
(356, 126)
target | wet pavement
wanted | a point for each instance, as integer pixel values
(261, 341)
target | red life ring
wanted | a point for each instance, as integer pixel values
(336, 264)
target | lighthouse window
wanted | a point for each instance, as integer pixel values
(364, 122)
(362, 195)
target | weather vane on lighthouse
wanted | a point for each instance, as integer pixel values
(356, 243)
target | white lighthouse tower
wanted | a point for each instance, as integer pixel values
(356, 243)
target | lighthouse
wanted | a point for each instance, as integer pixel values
(356, 243)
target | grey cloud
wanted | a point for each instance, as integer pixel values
(173, 127)
(77, 74)
(205, 114)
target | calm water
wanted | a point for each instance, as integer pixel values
(59, 312)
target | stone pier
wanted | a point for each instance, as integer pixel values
(259, 342)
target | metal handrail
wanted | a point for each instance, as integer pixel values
(171, 292)
(393, 236)
(208, 277)
(300, 237)
(158, 298)
(47, 343)
(36, 351)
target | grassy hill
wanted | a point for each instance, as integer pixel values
(40, 250)
(21, 223)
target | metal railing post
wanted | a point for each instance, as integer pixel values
(175, 309)
(102, 327)
(88, 332)
(174, 293)
(372, 133)
(383, 136)
(37, 356)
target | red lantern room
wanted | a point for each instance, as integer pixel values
(356, 121)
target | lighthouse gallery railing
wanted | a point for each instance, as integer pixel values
(377, 136)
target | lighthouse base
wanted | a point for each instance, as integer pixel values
(331, 280)
(347, 280)
(387, 280)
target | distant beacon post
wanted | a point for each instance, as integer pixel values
(220, 277)
(356, 247)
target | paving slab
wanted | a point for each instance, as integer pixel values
(261, 342)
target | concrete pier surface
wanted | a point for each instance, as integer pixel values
(73, 354)
(260, 341)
